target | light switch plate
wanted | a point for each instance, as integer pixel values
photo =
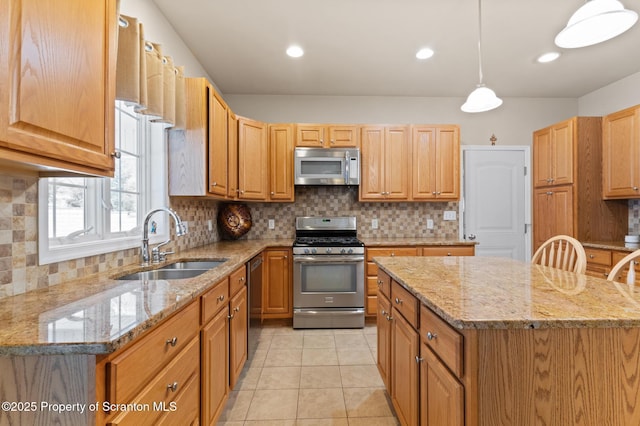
(374, 223)
(209, 225)
(449, 215)
(272, 224)
(429, 223)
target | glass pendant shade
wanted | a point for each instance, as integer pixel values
(480, 100)
(596, 21)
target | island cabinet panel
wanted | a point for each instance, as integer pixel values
(57, 84)
(559, 376)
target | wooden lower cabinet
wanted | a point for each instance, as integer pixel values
(441, 394)
(215, 371)
(404, 369)
(277, 300)
(238, 334)
(600, 261)
(383, 321)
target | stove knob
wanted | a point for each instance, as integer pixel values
(350, 251)
(343, 251)
(314, 251)
(306, 251)
(328, 250)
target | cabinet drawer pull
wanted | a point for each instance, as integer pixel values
(236, 309)
(398, 301)
(173, 386)
(380, 283)
(389, 317)
(173, 342)
(418, 359)
(431, 336)
(549, 192)
(241, 279)
(384, 313)
(448, 254)
(591, 256)
(220, 298)
(230, 316)
(635, 188)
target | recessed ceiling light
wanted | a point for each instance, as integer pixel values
(548, 57)
(295, 51)
(425, 53)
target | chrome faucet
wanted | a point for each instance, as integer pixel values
(157, 255)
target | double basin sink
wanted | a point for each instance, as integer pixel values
(175, 271)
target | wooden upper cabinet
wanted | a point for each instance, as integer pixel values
(436, 163)
(326, 136)
(621, 154)
(281, 186)
(57, 84)
(199, 155)
(252, 159)
(553, 152)
(232, 147)
(385, 163)
(218, 148)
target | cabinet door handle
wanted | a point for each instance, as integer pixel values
(230, 316)
(173, 342)
(389, 317)
(418, 359)
(635, 188)
(220, 298)
(272, 193)
(214, 184)
(398, 301)
(549, 192)
(431, 336)
(241, 279)
(384, 313)
(116, 154)
(236, 309)
(591, 256)
(173, 386)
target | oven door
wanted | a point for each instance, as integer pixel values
(328, 281)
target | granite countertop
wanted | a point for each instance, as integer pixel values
(489, 292)
(611, 245)
(98, 314)
(418, 241)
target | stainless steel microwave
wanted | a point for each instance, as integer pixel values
(327, 166)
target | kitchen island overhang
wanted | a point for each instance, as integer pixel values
(540, 345)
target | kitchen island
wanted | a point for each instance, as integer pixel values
(499, 341)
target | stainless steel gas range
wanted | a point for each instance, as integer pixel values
(328, 273)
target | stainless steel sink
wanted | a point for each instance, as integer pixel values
(175, 271)
(164, 274)
(194, 264)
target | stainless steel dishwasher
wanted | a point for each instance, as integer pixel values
(255, 302)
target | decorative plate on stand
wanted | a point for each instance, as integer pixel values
(234, 220)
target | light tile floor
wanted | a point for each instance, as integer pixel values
(311, 377)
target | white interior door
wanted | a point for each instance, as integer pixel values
(496, 191)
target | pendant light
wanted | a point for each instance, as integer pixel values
(596, 21)
(482, 99)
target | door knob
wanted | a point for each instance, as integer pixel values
(472, 237)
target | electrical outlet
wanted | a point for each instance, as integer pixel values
(272, 224)
(210, 225)
(374, 223)
(449, 215)
(429, 223)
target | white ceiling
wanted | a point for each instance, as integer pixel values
(367, 47)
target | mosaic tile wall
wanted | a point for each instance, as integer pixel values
(394, 219)
(20, 272)
(19, 269)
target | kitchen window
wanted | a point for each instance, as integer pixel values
(80, 217)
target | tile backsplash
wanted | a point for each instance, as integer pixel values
(20, 272)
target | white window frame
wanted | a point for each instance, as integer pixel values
(154, 191)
